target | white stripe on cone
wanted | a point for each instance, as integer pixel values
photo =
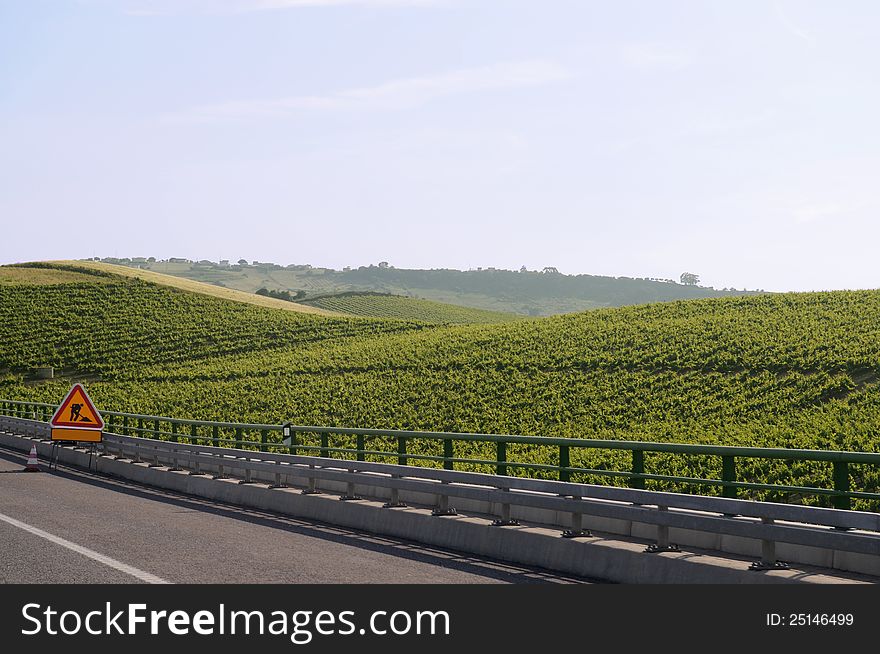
(33, 464)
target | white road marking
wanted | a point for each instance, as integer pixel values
(85, 551)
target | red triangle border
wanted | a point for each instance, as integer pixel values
(56, 422)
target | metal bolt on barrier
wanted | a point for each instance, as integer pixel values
(662, 544)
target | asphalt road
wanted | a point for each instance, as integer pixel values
(70, 526)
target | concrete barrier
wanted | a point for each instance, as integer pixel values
(608, 556)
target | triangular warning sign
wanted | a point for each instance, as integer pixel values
(77, 411)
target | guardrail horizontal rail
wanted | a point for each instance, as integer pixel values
(267, 438)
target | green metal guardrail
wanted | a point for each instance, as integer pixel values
(270, 438)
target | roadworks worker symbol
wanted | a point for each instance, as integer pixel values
(77, 411)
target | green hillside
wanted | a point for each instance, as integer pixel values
(792, 370)
(383, 305)
(525, 292)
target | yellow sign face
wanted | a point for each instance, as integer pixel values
(83, 435)
(77, 419)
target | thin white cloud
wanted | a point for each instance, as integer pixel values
(792, 27)
(394, 95)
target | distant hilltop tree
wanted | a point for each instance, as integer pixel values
(383, 264)
(281, 295)
(689, 279)
(242, 262)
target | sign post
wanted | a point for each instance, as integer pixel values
(77, 419)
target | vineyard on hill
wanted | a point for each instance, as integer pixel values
(384, 305)
(789, 370)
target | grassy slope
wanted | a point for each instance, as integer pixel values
(17, 276)
(797, 370)
(407, 308)
(194, 286)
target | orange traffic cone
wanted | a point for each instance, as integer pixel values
(33, 465)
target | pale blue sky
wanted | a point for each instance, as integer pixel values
(736, 139)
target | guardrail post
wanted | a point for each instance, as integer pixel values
(501, 458)
(238, 436)
(359, 445)
(278, 483)
(311, 489)
(350, 494)
(768, 553)
(564, 463)
(443, 507)
(505, 520)
(395, 497)
(220, 474)
(247, 476)
(215, 435)
(325, 444)
(448, 454)
(155, 463)
(662, 544)
(174, 432)
(125, 426)
(728, 473)
(193, 434)
(577, 528)
(294, 442)
(120, 451)
(401, 451)
(197, 469)
(264, 439)
(175, 466)
(638, 468)
(156, 428)
(841, 485)
(140, 428)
